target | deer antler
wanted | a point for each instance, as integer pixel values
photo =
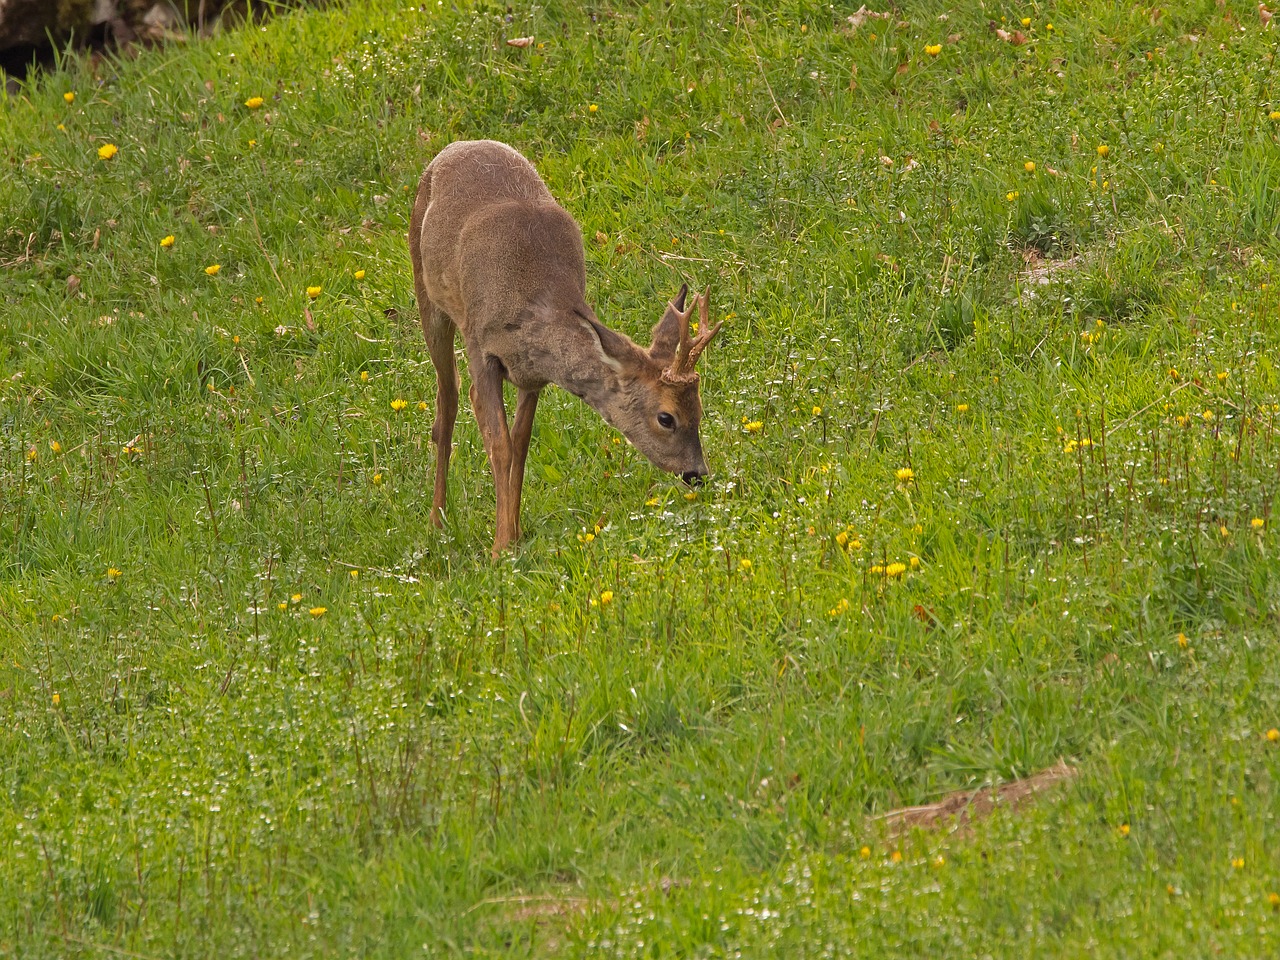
(691, 347)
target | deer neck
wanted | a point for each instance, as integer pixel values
(588, 373)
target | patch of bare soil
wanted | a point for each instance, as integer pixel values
(957, 811)
(1040, 271)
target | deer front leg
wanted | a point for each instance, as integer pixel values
(521, 431)
(491, 414)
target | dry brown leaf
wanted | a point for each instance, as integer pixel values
(520, 42)
(862, 15)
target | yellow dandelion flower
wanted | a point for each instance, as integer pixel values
(744, 565)
(933, 49)
(282, 605)
(377, 479)
(896, 856)
(1207, 415)
(1237, 863)
(212, 269)
(918, 529)
(877, 569)
(962, 408)
(1274, 115)
(364, 376)
(593, 108)
(939, 862)
(842, 538)
(865, 853)
(296, 598)
(905, 474)
(56, 699)
(359, 274)
(253, 103)
(1182, 419)
(1273, 735)
(70, 97)
(318, 611)
(56, 447)
(606, 597)
(113, 573)
(397, 404)
(1049, 27)
(313, 292)
(62, 127)
(1183, 641)
(691, 495)
(1011, 196)
(355, 574)
(1123, 830)
(107, 151)
(652, 502)
(1274, 900)
(167, 242)
(1222, 529)
(31, 455)
(1257, 523)
(817, 410)
(895, 569)
(1026, 21)
(1029, 166)
(915, 563)
(753, 426)
(839, 608)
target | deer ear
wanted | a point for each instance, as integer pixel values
(666, 335)
(615, 349)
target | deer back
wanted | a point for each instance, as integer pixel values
(495, 247)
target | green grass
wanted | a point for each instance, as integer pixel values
(193, 765)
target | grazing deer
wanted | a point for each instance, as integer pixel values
(495, 257)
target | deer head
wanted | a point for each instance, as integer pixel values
(653, 395)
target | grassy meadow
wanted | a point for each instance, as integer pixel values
(993, 425)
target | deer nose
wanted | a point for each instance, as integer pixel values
(694, 478)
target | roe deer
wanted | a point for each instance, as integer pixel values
(496, 258)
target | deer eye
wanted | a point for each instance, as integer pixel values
(666, 421)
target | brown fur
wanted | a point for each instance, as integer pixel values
(496, 259)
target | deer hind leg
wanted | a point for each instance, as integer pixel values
(521, 431)
(439, 331)
(491, 414)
